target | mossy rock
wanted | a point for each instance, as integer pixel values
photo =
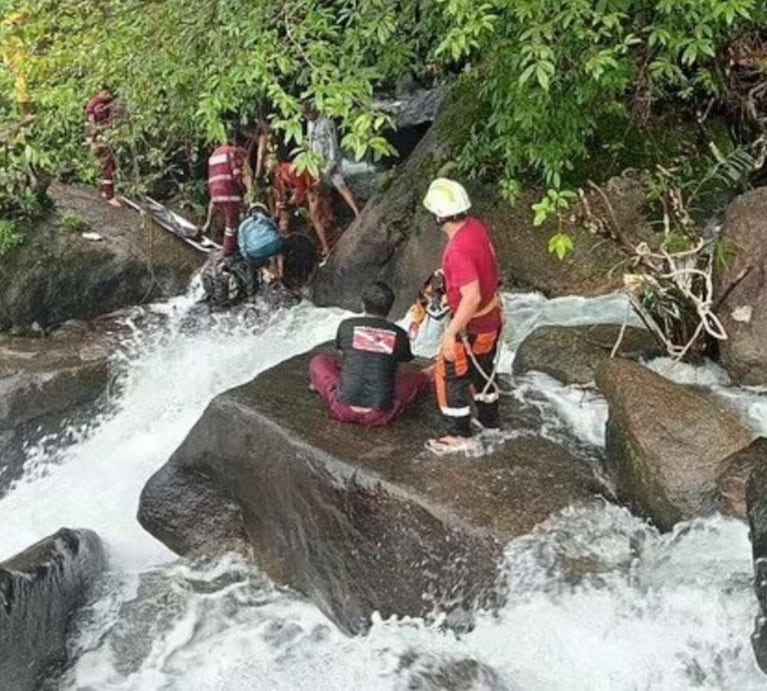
(395, 238)
(57, 275)
(666, 444)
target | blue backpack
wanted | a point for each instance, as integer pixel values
(259, 238)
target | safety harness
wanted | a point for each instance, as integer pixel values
(494, 302)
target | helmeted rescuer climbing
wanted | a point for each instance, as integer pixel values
(366, 385)
(465, 365)
(228, 182)
(98, 114)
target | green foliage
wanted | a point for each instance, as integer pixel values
(186, 72)
(10, 237)
(554, 203)
(560, 244)
(725, 252)
(556, 68)
(677, 242)
(551, 73)
(72, 221)
(22, 170)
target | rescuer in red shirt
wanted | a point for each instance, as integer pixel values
(466, 361)
(294, 188)
(228, 181)
(98, 114)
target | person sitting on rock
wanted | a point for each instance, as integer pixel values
(365, 385)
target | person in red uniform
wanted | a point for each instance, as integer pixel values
(98, 113)
(228, 182)
(366, 386)
(466, 361)
(294, 188)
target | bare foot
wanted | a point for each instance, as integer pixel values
(113, 202)
(448, 444)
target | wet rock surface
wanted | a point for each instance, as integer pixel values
(666, 444)
(743, 311)
(572, 354)
(57, 275)
(44, 380)
(756, 500)
(357, 519)
(40, 591)
(395, 238)
(734, 475)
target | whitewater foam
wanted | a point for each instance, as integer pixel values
(597, 599)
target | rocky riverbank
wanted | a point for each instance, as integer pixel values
(58, 274)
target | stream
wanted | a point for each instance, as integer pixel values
(597, 600)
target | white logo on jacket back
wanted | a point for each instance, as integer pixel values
(374, 340)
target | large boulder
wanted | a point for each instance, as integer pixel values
(740, 288)
(46, 380)
(58, 275)
(572, 354)
(40, 591)
(395, 238)
(735, 474)
(756, 499)
(358, 519)
(667, 444)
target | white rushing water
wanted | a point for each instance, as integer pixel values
(597, 599)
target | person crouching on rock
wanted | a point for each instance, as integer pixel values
(469, 345)
(365, 385)
(228, 181)
(260, 241)
(293, 189)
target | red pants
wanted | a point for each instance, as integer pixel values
(108, 170)
(229, 212)
(325, 375)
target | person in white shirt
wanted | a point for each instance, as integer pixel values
(323, 141)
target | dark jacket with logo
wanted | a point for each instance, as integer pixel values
(371, 347)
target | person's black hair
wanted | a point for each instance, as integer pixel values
(377, 299)
(455, 218)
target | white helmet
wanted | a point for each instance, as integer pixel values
(446, 198)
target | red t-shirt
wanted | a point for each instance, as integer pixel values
(287, 178)
(470, 256)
